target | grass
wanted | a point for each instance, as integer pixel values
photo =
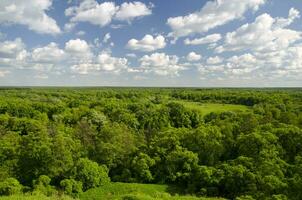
(34, 197)
(206, 108)
(135, 191)
(118, 191)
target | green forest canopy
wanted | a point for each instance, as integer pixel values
(230, 143)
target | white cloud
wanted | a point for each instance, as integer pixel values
(265, 66)
(214, 60)
(31, 13)
(77, 46)
(69, 26)
(265, 34)
(233, 66)
(204, 40)
(92, 12)
(82, 68)
(238, 65)
(147, 43)
(117, 26)
(80, 56)
(41, 76)
(192, 56)
(10, 49)
(102, 14)
(213, 14)
(76, 57)
(108, 63)
(80, 33)
(292, 16)
(131, 55)
(48, 54)
(106, 37)
(3, 73)
(131, 10)
(161, 64)
(103, 62)
(12, 53)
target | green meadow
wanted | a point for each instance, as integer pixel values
(206, 108)
(136, 191)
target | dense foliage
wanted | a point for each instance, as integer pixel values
(71, 140)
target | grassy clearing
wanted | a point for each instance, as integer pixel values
(206, 108)
(34, 197)
(135, 191)
(119, 191)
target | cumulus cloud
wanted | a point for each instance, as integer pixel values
(106, 37)
(102, 14)
(292, 16)
(93, 12)
(81, 33)
(11, 49)
(82, 68)
(213, 14)
(233, 66)
(238, 65)
(283, 63)
(77, 47)
(131, 10)
(108, 63)
(147, 43)
(264, 34)
(192, 56)
(48, 54)
(3, 73)
(214, 60)
(12, 53)
(76, 57)
(161, 64)
(31, 13)
(213, 38)
(131, 55)
(103, 62)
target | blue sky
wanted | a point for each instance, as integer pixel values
(218, 43)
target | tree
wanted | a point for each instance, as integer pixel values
(90, 173)
(10, 186)
(42, 185)
(179, 117)
(181, 165)
(141, 168)
(71, 187)
(207, 142)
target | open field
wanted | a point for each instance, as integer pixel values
(119, 191)
(35, 197)
(135, 191)
(206, 108)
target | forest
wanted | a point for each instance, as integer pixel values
(184, 143)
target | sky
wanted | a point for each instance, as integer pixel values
(174, 43)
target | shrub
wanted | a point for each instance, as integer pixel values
(10, 186)
(90, 173)
(71, 187)
(42, 185)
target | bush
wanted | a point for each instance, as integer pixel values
(42, 185)
(10, 186)
(71, 187)
(91, 174)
